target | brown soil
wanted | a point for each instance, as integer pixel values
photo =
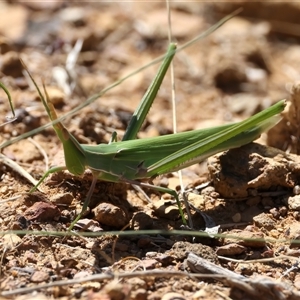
(252, 193)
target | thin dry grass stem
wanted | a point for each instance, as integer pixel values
(115, 243)
(123, 260)
(102, 277)
(140, 190)
(260, 286)
(262, 260)
(12, 198)
(66, 77)
(13, 165)
(174, 116)
(43, 152)
(294, 267)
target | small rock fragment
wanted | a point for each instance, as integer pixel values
(56, 96)
(5, 45)
(165, 210)
(11, 64)
(82, 274)
(197, 200)
(165, 259)
(39, 276)
(69, 262)
(173, 296)
(141, 220)
(115, 290)
(264, 221)
(30, 257)
(296, 190)
(275, 212)
(229, 76)
(149, 264)
(231, 249)
(245, 269)
(10, 241)
(180, 251)
(208, 191)
(246, 238)
(274, 233)
(65, 198)
(42, 211)
(236, 218)
(137, 283)
(294, 202)
(111, 215)
(75, 15)
(283, 211)
(139, 294)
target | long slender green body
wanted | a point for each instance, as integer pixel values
(134, 160)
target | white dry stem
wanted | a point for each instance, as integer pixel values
(66, 77)
(13, 165)
(174, 117)
(43, 152)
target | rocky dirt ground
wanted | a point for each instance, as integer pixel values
(252, 192)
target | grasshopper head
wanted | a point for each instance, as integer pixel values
(74, 154)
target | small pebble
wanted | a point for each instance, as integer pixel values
(56, 96)
(65, 198)
(111, 215)
(11, 64)
(42, 211)
(283, 211)
(264, 221)
(139, 294)
(275, 213)
(231, 249)
(173, 296)
(39, 276)
(236, 218)
(165, 210)
(149, 264)
(141, 220)
(296, 190)
(137, 283)
(294, 202)
(246, 238)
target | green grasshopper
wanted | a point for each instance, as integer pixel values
(135, 160)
